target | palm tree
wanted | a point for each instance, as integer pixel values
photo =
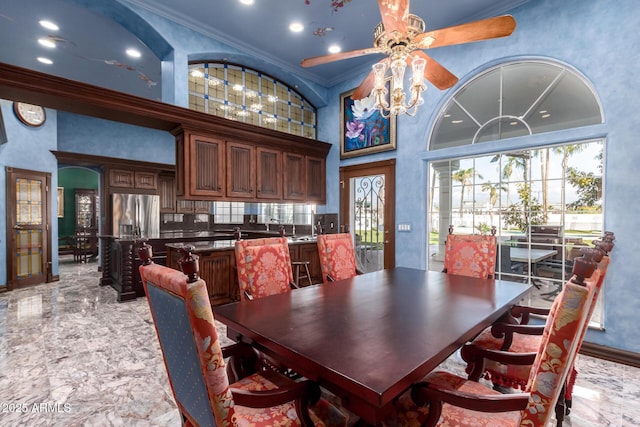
(567, 151)
(465, 177)
(494, 195)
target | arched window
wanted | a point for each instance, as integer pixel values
(516, 99)
(240, 93)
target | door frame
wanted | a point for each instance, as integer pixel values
(11, 174)
(388, 169)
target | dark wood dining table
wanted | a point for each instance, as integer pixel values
(369, 338)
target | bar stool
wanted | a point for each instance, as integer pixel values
(305, 275)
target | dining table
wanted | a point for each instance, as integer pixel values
(367, 339)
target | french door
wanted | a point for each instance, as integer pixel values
(28, 231)
(367, 210)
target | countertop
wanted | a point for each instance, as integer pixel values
(213, 245)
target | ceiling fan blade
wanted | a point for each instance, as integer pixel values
(500, 26)
(324, 59)
(394, 15)
(439, 76)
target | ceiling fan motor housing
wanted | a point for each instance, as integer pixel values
(385, 42)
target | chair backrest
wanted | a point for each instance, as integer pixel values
(470, 255)
(264, 266)
(560, 341)
(337, 257)
(190, 348)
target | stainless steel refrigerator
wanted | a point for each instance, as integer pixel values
(136, 215)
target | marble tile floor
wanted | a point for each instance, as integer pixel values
(71, 355)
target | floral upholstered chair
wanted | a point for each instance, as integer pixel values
(470, 255)
(455, 401)
(198, 374)
(264, 267)
(519, 337)
(337, 257)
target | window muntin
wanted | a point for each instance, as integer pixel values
(246, 95)
(228, 212)
(516, 99)
(562, 189)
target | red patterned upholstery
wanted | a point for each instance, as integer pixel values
(560, 341)
(470, 255)
(337, 257)
(264, 267)
(195, 362)
(516, 376)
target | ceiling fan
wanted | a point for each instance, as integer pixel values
(402, 37)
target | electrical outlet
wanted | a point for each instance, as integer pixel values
(404, 227)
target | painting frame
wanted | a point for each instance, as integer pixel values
(373, 134)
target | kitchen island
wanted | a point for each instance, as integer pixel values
(218, 264)
(119, 257)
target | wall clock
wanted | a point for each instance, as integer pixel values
(29, 114)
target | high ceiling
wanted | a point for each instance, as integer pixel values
(94, 34)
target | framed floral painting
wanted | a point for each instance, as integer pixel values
(363, 130)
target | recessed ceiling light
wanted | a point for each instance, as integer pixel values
(47, 42)
(238, 87)
(544, 116)
(334, 48)
(45, 60)
(197, 73)
(513, 123)
(49, 25)
(455, 122)
(133, 53)
(247, 2)
(542, 111)
(296, 27)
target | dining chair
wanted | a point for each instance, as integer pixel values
(444, 399)
(515, 336)
(472, 255)
(264, 267)
(337, 257)
(195, 363)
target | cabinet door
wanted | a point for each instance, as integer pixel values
(121, 178)
(184, 206)
(294, 177)
(200, 206)
(269, 173)
(167, 192)
(241, 171)
(207, 166)
(145, 180)
(219, 269)
(309, 252)
(316, 179)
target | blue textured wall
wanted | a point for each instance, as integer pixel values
(27, 148)
(598, 39)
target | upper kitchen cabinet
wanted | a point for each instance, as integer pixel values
(133, 179)
(200, 167)
(249, 164)
(316, 171)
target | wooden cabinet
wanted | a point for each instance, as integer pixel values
(316, 179)
(269, 173)
(193, 206)
(167, 192)
(133, 179)
(241, 170)
(249, 167)
(200, 166)
(295, 182)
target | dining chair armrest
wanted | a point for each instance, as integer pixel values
(506, 331)
(358, 271)
(248, 295)
(435, 395)
(302, 393)
(244, 360)
(330, 278)
(293, 285)
(476, 357)
(523, 312)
